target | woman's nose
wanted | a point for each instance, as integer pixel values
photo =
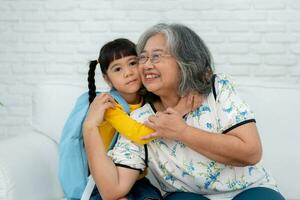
(147, 65)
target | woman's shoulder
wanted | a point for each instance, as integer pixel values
(222, 83)
(223, 79)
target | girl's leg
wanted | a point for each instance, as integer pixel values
(143, 190)
(259, 193)
(184, 196)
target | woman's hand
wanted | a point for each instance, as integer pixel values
(97, 109)
(168, 124)
(189, 102)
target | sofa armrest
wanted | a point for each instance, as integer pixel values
(28, 168)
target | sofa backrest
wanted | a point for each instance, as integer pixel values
(275, 106)
(277, 113)
(52, 103)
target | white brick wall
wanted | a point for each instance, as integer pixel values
(54, 40)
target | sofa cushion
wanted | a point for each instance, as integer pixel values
(28, 168)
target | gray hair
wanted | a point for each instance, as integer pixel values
(192, 56)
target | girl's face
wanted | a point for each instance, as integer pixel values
(161, 75)
(123, 75)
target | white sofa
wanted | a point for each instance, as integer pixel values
(29, 161)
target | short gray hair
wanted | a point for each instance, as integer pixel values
(190, 52)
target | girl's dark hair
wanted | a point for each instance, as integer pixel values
(111, 51)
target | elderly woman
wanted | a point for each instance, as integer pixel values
(210, 153)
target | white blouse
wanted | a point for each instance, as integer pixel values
(179, 168)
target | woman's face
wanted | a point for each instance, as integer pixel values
(162, 76)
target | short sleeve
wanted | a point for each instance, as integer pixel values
(232, 110)
(128, 154)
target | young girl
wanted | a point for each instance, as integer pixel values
(119, 67)
(118, 63)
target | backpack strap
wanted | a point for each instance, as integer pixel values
(120, 100)
(88, 189)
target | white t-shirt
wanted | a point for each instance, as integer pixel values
(179, 168)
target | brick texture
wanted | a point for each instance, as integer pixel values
(54, 40)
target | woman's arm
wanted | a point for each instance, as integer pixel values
(113, 182)
(238, 147)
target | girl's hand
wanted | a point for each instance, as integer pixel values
(188, 103)
(97, 109)
(168, 124)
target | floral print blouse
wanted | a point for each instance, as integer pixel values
(179, 168)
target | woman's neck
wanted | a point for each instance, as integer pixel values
(169, 101)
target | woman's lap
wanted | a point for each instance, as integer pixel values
(184, 196)
(259, 193)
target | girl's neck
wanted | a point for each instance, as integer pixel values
(132, 98)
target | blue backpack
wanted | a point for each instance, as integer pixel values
(73, 165)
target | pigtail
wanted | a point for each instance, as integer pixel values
(91, 80)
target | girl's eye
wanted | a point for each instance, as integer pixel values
(133, 63)
(117, 69)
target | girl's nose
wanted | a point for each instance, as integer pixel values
(128, 72)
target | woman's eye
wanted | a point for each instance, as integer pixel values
(155, 56)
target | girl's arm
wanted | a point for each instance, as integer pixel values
(128, 127)
(136, 131)
(112, 182)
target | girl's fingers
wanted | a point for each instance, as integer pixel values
(195, 103)
(110, 104)
(111, 99)
(198, 102)
(104, 97)
(190, 100)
